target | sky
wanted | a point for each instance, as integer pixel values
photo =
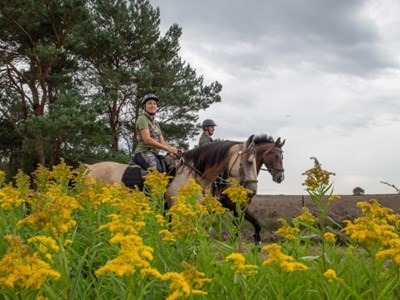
(323, 75)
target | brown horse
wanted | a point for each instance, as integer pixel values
(203, 164)
(270, 154)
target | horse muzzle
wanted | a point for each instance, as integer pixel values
(278, 177)
(251, 186)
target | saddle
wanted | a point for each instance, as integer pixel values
(133, 174)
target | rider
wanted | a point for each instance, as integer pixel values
(208, 126)
(149, 135)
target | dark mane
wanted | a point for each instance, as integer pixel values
(263, 139)
(209, 155)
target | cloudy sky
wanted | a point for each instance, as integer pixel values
(324, 75)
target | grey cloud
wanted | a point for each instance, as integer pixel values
(333, 35)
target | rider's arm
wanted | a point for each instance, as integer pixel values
(162, 145)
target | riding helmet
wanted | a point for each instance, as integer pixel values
(208, 122)
(149, 97)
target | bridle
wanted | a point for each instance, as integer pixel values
(270, 168)
(242, 175)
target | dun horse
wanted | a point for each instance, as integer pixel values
(270, 154)
(203, 164)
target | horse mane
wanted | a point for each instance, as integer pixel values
(209, 155)
(263, 139)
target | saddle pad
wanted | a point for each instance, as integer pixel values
(132, 176)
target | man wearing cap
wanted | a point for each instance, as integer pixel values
(208, 126)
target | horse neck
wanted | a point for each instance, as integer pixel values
(228, 163)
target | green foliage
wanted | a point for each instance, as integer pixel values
(357, 191)
(74, 73)
(89, 223)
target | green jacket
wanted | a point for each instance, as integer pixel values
(205, 139)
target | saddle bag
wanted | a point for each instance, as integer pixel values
(133, 175)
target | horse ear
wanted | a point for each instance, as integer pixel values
(279, 144)
(249, 140)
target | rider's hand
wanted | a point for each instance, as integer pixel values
(172, 149)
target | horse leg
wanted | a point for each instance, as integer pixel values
(227, 203)
(256, 224)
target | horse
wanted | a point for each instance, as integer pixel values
(270, 154)
(203, 164)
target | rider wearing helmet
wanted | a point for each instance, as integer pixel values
(208, 126)
(149, 135)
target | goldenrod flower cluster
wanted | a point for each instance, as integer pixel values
(239, 266)
(374, 228)
(306, 216)
(330, 236)
(51, 211)
(393, 251)
(286, 231)
(24, 268)
(213, 205)
(132, 206)
(237, 193)
(184, 284)
(156, 183)
(11, 197)
(285, 262)
(317, 178)
(187, 211)
(133, 256)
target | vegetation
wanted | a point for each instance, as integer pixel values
(392, 185)
(357, 191)
(72, 74)
(98, 241)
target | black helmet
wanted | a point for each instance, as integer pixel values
(208, 122)
(149, 97)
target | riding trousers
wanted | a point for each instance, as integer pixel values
(148, 159)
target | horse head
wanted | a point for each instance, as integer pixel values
(273, 161)
(243, 165)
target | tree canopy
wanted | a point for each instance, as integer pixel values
(73, 72)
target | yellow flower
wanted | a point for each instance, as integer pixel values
(330, 274)
(287, 231)
(330, 236)
(184, 284)
(317, 178)
(186, 214)
(392, 252)
(168, 236)
(51, 211)
(213, 205)
(23, 268)
(156, 183)
(285, 262)
(333, 197)
(239, 266)
(133, 256)
(46, 244)
(196, 279)
(236, 192)
(306, 216)
(374, 227)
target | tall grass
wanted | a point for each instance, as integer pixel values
(97, 241)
